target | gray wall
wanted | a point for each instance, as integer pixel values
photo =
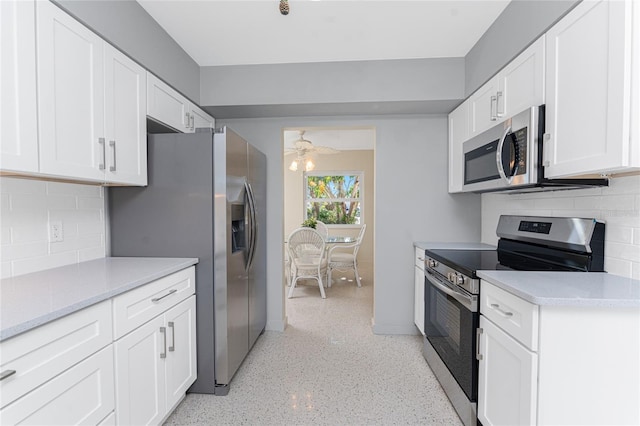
(411, 204)
(521, 23)
(126, 25)
(415, 83)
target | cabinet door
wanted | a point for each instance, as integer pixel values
(81, 395)
(167, 106)
(507, 379)
(587, 90)
(201, 118)
(180, 366)
(521, 83)
(70, 96)
(418, 308)
(482, 108)
(125, 119)
(18, 121)
(458, 133)
(140, 381)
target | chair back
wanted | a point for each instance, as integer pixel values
(322, 228)
(359, 239)
(305, 242)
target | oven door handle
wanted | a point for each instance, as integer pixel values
(469, 302)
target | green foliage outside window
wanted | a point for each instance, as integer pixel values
(334, 199)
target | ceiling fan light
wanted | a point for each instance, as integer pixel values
(309, 166)
(294, 166)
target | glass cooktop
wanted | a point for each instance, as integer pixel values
(470, 261)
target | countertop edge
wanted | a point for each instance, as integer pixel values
(560, 300)
(12, 331)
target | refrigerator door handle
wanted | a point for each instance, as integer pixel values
(254, 226)
(249, 214)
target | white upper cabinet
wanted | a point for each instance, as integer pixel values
(458, 133)
(18, 131)
(516, 87)
(91, 104)
(201, 118)
(167, 106)
(70, 96)
(125, 119)
(588, 91)
(521, 83)
(482, 108)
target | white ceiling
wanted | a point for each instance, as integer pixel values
(236, 32)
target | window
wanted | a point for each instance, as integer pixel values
(335, 198)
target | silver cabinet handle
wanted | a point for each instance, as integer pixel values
(104, 155)
(421, 259)
(173, 337)
(497, 308)
(478, 354)
(6, 374)
(157, 299)
(112, 168)
(546, 149)
(499, 111)
(187, 119)
(493, 114)
(163, 330)
(193, 122)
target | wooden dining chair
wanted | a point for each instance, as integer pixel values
(308, 257)
(345, 257)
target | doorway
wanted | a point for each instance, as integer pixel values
(334, 152)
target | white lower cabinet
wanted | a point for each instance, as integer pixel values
(554, 364)
(61, 372)
(506, 380)
(81, 395)
(155, 364)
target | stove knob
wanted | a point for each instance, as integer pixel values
(432, 263)
(459, 279)
(450, 276)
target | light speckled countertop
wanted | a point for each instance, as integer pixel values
(453, 246)
(591, 289)
(30, 300)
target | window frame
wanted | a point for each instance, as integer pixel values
(360, 199)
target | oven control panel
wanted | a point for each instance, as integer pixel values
(452, 276)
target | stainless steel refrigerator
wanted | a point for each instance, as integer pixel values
(206, 198)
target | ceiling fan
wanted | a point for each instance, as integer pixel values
(305, 150)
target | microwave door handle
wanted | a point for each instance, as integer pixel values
(501, 171)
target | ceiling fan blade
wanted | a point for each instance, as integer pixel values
(325, 150)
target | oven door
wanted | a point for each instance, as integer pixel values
(451, 320)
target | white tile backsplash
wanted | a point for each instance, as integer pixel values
(618, 205)
(27, 206)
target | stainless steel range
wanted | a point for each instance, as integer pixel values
(452, 290)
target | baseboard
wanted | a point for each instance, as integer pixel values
(276, 325)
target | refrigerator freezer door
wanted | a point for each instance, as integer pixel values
(231, 290)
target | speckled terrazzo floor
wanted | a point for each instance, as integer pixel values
(327, 368)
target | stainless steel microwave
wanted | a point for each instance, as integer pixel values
(508, 157)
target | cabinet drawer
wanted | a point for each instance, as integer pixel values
(134, 308)
(517, 317)
(83, 394)
(44, 352)
(420, 258)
